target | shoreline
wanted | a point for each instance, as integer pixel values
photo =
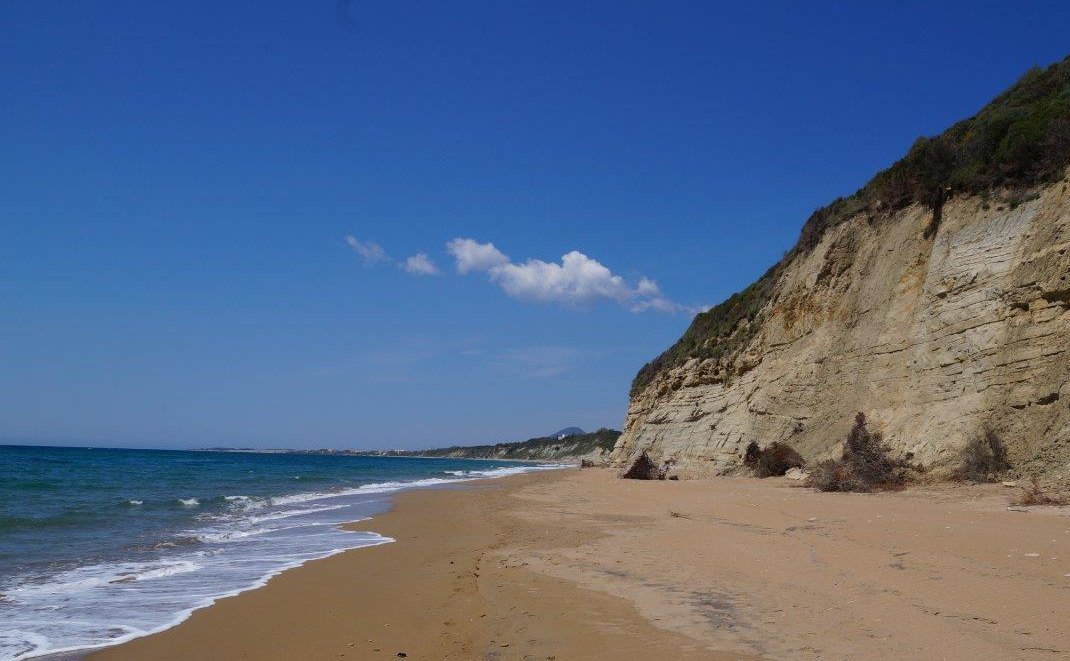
(348, 535)
(385, 599)
(578, 564)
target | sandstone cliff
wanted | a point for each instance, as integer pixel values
(937, 315)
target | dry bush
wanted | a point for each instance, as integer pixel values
(778, 459)
(774, 460)
(753, 454)
(1034, 495)
(643, 468)
(983, 458)
(835, 475)
(864, 465)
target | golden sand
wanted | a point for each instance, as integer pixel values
(579, 565)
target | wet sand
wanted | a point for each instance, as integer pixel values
(579, 565)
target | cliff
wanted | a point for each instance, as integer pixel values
(936, 299)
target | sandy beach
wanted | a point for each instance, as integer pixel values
(579, 565)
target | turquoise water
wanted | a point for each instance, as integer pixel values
(98, 546)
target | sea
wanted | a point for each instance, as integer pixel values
(98, 546)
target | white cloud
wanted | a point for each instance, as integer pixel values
(474, 256)
(647, 287)
(662, 304)
(370, 252)
(419, 264)
(576, 280)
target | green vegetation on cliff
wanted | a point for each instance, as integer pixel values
(1020, 139)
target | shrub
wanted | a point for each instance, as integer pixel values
(983, 458)
(752, 455)
(1034, 495)
(835, 475)
(864, 464)
(774, 460)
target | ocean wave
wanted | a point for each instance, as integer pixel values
(309, 496)
(387, 487)
(168, 569)
(288, 514)
(218, 537)
(246, 503)
(517, 470)
(86, 578)
(189, 502)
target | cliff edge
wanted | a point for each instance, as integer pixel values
(936, 299)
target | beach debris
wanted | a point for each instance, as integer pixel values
(1009, 483)
(1035, 495)
(401, 655)
(1031, 555)
(796, 474)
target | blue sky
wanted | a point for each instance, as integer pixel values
(206, 207)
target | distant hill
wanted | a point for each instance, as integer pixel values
(592, 445)
(567, 431)
(562, 445)
(570, 443)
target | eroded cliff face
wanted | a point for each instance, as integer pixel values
(932, 337)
